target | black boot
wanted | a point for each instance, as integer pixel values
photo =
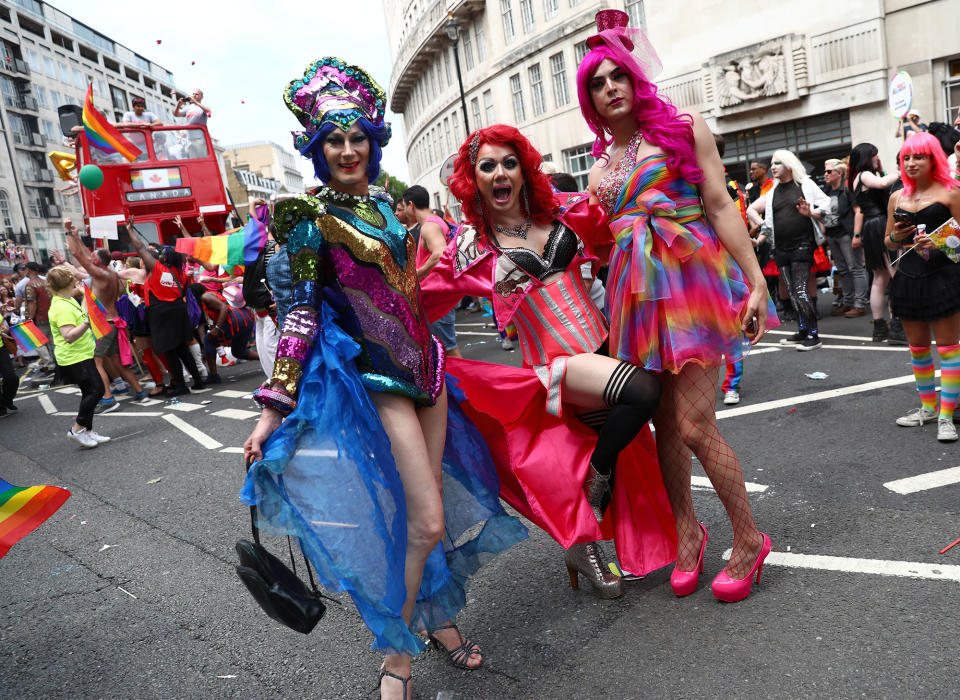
(880, 330)
(896, 336)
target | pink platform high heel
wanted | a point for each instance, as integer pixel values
(731, 590)
(685, 582)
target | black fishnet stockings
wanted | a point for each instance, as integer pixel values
(686, 422)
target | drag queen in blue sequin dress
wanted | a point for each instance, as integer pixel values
(360, 452)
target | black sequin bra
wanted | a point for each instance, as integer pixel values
(558, 253)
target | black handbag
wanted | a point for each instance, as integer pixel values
(277, 589)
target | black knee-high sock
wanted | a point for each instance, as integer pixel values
(176, 368)
(632, 395)
(187, 358)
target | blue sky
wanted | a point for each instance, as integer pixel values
(245, 53)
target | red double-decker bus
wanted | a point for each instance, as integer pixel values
(177, 173)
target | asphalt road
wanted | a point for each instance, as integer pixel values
(128, 591)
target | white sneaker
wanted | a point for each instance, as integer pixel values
(731, 397)
(916, 418)
(946, 431)
(506, 344)
(98, 438)
(83, 438)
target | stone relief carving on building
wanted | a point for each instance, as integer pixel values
(751, 77)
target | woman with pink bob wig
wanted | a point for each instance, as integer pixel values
(925, 291)
(684, 289)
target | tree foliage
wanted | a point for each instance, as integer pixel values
(396, 187)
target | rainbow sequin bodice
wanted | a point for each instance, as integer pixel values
(612, 183)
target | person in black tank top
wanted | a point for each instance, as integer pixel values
(925, 292)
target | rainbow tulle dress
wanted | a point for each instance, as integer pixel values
(674, 293)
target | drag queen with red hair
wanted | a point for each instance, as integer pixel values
(559, 426)
(684, 288)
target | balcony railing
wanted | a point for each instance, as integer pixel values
(38, 176)
(14, 65)
(21, 102)
(33, 139)
(44, 210)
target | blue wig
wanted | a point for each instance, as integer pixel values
(314, 149)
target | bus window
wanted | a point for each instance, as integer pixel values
(179, 144)
(135, 137)
(147, 230)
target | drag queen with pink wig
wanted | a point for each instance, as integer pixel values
(684, 288)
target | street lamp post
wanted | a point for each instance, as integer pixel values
(453, 33)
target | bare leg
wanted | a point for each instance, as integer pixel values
(116, 368)
(416, 441)
(881, 278)
(107, 393)
(687, 421)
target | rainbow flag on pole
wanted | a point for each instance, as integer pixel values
(102, 134)
(97, 313)
(239, 248)
(23, 510)
(28, 336)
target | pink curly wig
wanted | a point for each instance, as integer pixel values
(922, 143)
(463, 182)
(657, 118)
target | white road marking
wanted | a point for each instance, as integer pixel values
(233, 394)
(817, 396)
(47, 404)
(184, 407)
(68, 390)
(702, 482)
(198, 435)
(922, 482)
(486, 334)
(236, 413)
(862, 339)
(117, 414)
(232, 450)
(200, 391)
(762, 348)
(149, 402)
(878, 567)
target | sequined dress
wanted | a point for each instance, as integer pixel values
(328, 476)
(542, 450)
(674, 293)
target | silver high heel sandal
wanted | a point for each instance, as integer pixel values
(586, 559)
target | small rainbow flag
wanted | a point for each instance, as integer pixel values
(23, 510)
(97, 314)
(28, 336)
(102, 134)
(229, 249)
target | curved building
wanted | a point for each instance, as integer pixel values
(518, 62)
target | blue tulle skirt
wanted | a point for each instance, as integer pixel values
(328, 478)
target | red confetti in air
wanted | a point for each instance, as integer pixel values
(193, 63)
(159, 40)
(243, 102)
(792, 410)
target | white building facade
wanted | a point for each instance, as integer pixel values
(810, 76)
(47, 59)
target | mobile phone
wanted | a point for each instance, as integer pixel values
(904, 217)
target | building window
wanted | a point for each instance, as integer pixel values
(446, 66)
(55, 99)
(119, 98)
(481, 41)
(78, 80)
(506, 12)
(536, 90)
(526, 15)
(41, 94)
(516, 90)
(579, 51)
(64, 71)
(638, 18)
(455, 119)
(951, 91)
(550, 8)
(468, 48)
(475, 109)
(49, 130)
(577, 162)
(447, 134)
(489, 112)
(49, 67)
(5, 210)
(559, 72)
(33, 60)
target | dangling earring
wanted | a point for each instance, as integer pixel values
(524, 199)
(482, 222)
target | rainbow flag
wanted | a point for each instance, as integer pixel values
(102, 134)
(28, 336)
(228, 249)
(23, 510)
(97, 314)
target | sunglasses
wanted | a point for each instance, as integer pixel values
(776, 162)
(829, 171)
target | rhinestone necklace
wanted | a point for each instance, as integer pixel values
(518, 231)
(360, 204)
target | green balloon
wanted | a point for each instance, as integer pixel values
(91, 177)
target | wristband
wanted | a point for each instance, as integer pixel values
(279, 401)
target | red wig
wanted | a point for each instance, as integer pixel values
(463, 182)
(922, 143)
